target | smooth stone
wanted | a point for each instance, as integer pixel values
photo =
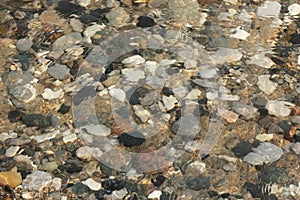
(269, 9)
(10, 178)
(59, 72)
(295, 148)
(57, 183)
(118, 17)
(133, 60)
(179, 92)
(264, 137)
(84, 153)
(223, 55)
(70, 138)
(196, 167)
(198, 182)
(49, 94)
(169, 102)
(265, 153)
(240, 34)
(12, 151)
(90, 31)
(155, 194)
(46, 136)
(260, 60)
(24, 44)
(247, 111)
(66, 41)
(294, 9)
(279, 108)
(37, 180)
(265, 84)
(151, 67)
(145, 21)
(97, 130)
(142, 113)
(133, 75)
(118, 94)
(76, 25)
(93, 185)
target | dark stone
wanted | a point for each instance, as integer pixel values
(38, 120)
(285, 125)
(7, 163)
(263, 112)
(131, 139)
(26, 59)
(29, 152)
(242, 149)
(111, 185)
(296, 138)
(83, 93)
(64, 109)
(145, 21)
(225, 195)
(253, 189)
(100, 194)
(71, 166)
(295, 39)
(212, 194)
(66, 8)
(167, 91)
(172, 70)
(133, 95)
(2, 151)
(203, 101)
(160, 179)
(273, 174)
(14, 116)
(79, 188)
(94, 16)
(198, 182)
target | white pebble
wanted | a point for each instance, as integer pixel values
(70, 138)
(133, 60)
(118, 94)
(294, 9)
(12, 151)
(93, 185)
(50, 94)
(155, 194)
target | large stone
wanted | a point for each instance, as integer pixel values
(37, 180)
(10, 178)
(279, 108)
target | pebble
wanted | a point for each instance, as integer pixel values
(118, 94)
(269, 9)
(70, 138)
(155, 194)
(38, 120)
(229, 97)
(57, 183)
(265, 84)
(76, 25)
(118, 17)
(247, 111)
(265, 153)
(145, 21)
(169, 102)
(12, 151)
(240, 34)
(133, 60)
(24, 93)
(261, 60)
(229, 167)
(59, 72)
(133, 75)
(151, 67)
(93, 185)
(196, 167)
(46, 136)
(264, 137)
(198, 182)
(142, 113)
(84, 153)
(209, 73)
(37, 180)
(49, 94)
(97, 130)
(24, 44)
(66, 41)
(194, 94)
(295, 148)
(279, 108)
(223, 55)
(229, 116)
(90, 31)
(294, 9)
(10, 178)
(84, 3)
(179, 92)
(119, 194)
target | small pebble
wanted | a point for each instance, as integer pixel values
(93, 185)
(24, 44)
(155, 194)
(70, 138)
(12, 151)
(133, 60)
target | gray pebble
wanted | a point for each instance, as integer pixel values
(59, 72)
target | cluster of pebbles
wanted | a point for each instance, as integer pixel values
(158, 99)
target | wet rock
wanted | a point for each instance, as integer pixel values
(118, 17)
(198, 182)
(93, 185)
(145, 21)
(59, 72)
(38, 120)
(265, 153)
(24, 44)
(265, 84)
(10, 178)
(37, 180)
(131, 139)
(67, 41)
(279, 108)
(247, 111)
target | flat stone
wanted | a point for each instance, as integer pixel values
(118, 94)
(70, 138)
(194, 94)
(118, 17)
(265, 84)
(229, 97)
(260, 60)
(223, 55)
(37, 180)
(229, 116)
(169, 102)
(24, 44)
(66, 41)
(90, 31)
(264, 137)
(93, 185)
(279, 108)
(98, 130)
(247, 111)
(57, 183)
(179, 92)
(49, 94)
(133, 60)
(84, 153)
(240, 34)
(142, 113)
(10, 178)
(269, 9)
(294, 9)
(59, 72)
(209, 73)
(265, 153)
(46, 136)
(12, 151)
(133, 75)
(76, 25)
(24, 93)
